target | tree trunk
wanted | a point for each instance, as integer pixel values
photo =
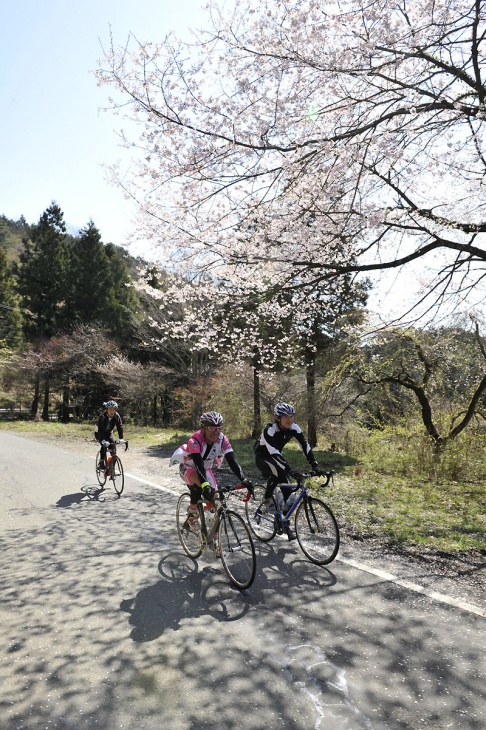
(257, 413)
(35, 403)
(310, 374)
(45, 407)
(154, 411)
(166, 407)
(65, 404)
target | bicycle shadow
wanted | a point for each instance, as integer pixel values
(280, 567)
(186, 591)
(88, 493)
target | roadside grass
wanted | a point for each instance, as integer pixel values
(395, 511)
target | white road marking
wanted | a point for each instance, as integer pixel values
(153, 484)
(441, 597)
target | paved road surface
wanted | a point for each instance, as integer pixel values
(106, 624)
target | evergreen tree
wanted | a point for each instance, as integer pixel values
(42, 273)
(90, 297)
(123, 300)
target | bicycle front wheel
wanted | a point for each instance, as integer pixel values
(116, 474)
(100, 473)
(188, 533)
(237, 550)
(317, 531)
(262, 524)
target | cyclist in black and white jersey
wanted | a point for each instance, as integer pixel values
(268, 450)
(107, 422)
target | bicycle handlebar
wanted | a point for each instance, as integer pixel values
(232, 488)
(319, 473)
(118, 441)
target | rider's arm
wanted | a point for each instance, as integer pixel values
(99, 428)
(233, 465)
(119, 426)
(199, 464)
(304, 445)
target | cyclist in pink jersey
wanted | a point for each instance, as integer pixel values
(204, 448)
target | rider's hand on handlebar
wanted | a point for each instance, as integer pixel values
(248, 484)
(296, 474)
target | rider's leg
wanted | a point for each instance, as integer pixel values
(272, 471)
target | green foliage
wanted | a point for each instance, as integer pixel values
(12, 234)
(404, 451)
(123, 302)
(90, 279)
(42, 274)
(10, 316)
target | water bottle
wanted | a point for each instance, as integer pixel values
(291, 500)
(279, 498)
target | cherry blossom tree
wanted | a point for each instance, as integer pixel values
(318, 139)
(217, 321)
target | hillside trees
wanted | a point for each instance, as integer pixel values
(335, 138)
(64, 281)
(100, 286)
(10, 316)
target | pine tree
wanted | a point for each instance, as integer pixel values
(90, 289)
(42, 274)
(124, 301)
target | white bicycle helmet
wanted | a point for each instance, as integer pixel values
(211, 418)
(111, 404)
(284, 409)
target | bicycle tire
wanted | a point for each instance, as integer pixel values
(237, 550)
(317, 531)
(100, 473)
(189, 537)
(116, 474)
(262, 525)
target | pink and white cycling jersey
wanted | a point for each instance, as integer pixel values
(211, 453)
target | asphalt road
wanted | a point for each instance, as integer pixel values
(106, 623)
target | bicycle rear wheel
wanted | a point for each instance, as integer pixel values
(237, 550)
(100, 473)
(262, 524)
(188, 534)
(116, 474)
(317, 531)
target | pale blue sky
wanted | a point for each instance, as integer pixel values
(53, 139)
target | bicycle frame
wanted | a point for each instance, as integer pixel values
(284, 519)
(207, 535)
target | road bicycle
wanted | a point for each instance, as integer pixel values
(316, 529)
(222, 530)
(113, 470)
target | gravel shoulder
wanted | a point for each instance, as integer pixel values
(462, 577)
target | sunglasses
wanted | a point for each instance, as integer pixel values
(214, 429)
